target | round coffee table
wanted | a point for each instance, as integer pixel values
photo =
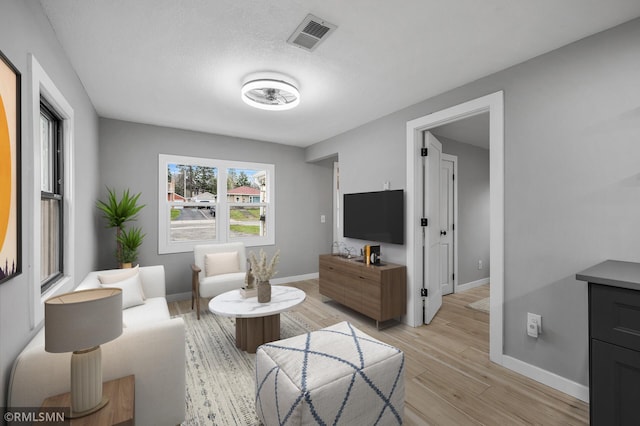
(256, 323)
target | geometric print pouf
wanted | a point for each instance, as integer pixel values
(334, 376)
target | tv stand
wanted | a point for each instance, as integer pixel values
(377, 291)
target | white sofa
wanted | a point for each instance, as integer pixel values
(152, 347)
(210, 285)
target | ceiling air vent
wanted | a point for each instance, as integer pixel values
(310, 33)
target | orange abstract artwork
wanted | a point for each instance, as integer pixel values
(5, 174)
(9, 171)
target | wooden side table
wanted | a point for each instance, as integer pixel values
(119, 411)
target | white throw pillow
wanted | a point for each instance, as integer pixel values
(221, 263)
(132, 294)
(114, 277)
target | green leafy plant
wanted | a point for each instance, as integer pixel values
(118, 212)
(129, 241)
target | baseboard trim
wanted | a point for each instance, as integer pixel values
(472, 284)
(176, 297)
(294, 278)
(548, 378)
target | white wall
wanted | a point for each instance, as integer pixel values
(572, 181)
(24, 29)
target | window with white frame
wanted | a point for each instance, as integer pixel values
(52, 245)
(203, 200)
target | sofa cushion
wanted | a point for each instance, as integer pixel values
(153, 310)
(221, 263)
(118, 275)
(132, 294)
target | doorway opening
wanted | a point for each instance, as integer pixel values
(464, 203)
(493, 104)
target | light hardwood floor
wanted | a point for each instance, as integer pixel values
(449, 379)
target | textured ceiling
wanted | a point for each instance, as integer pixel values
(181, 63)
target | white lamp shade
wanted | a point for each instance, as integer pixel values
(82, 319)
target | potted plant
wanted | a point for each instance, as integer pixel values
(118, 212)
(129, 241)
(263, 270)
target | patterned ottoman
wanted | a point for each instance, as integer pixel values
(337, 375)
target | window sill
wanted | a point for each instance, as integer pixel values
(64, 285)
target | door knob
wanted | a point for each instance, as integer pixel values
(443, 232)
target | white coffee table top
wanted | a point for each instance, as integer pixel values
(232, 304)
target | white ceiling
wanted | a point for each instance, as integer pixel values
(473, 130)
(181, 63)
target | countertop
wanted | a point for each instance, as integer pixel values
(613, 273)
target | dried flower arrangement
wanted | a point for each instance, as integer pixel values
(261, 269)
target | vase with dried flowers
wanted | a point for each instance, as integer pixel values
(263, 270)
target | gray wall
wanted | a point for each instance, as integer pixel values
(368, 156)
(572, 181)
(473, 208)
(129, 159)
(24, 29)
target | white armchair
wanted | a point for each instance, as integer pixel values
(218, 268)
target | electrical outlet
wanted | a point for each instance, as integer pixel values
(479, 264)
(323, 218)
(534, 324)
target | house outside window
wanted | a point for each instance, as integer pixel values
(209, 200)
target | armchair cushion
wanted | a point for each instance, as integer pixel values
(218, 284)
(217, 268)
(221, 263)
(201, 250)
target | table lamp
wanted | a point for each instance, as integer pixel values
(80, 322)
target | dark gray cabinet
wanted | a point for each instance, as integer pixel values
(614, 342)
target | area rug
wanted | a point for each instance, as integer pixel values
(220, 377)
(480, 305)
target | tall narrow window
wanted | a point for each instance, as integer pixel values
(247, 200)
(192, 198)
(51, 196)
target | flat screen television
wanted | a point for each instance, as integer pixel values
(375, 216)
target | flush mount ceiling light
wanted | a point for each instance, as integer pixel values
(272, 93)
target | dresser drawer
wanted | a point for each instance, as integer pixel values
(615, 315)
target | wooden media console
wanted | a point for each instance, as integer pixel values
(377, 291)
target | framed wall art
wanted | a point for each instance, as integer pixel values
(10, 226)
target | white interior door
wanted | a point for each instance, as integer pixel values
(447, 218)
(432, 250)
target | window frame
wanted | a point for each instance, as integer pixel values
(166, 246)
(42, 86)
(57, 175)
